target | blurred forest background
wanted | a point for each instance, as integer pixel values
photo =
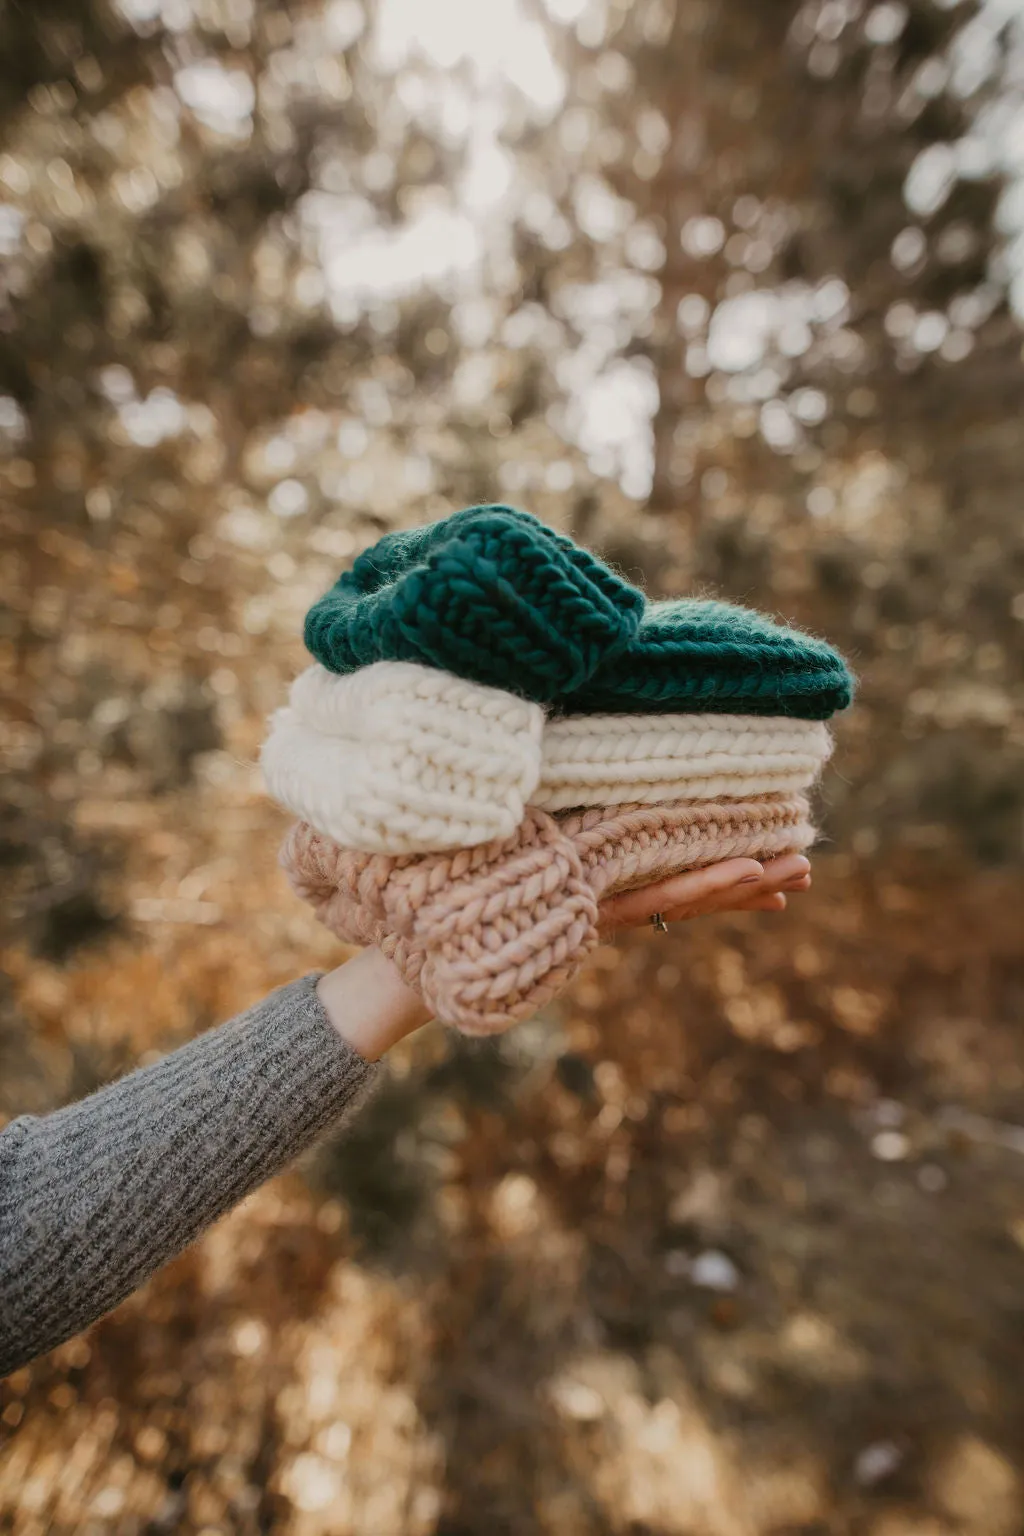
(731, 1242)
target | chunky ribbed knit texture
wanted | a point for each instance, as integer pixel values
(636, 845)
(97, 1196)
(494, 595)
(490, 934)
(401, 758)
(711, 657)
(611, 760)
(489, 593)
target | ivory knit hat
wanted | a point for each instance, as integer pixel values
(401, 758)
(494, 595)
(489, 934)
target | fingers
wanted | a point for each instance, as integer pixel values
(781, 872)
(697, 890)
(782, 877)
(736, 885)
(771, 901)
(732, 899)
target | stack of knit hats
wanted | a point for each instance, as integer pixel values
(498, 731)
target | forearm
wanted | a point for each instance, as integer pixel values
(96, 1196)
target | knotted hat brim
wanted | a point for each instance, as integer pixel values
(490, 594)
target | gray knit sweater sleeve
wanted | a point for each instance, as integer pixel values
(96, 1196)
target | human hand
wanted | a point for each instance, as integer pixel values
(736, 885)
(371, 1007)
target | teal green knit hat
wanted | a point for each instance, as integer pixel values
(490, 594)
(494, 595)
(701, 657)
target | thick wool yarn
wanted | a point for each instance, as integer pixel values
(490, 934)
(711, 657)
(490, 594)
(494, 595)
(589, 760)
(487, 935)
(400, 758)
(633, 845)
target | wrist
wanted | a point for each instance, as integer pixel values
(369, 1004)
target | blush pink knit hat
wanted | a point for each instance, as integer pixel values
(491, 933)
